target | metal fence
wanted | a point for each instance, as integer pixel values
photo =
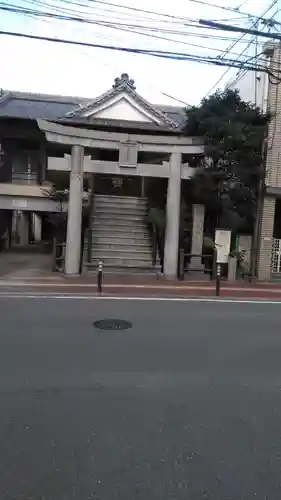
(276, 256)
(208, 264)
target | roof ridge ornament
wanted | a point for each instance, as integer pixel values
(4, 95)
(124, 79)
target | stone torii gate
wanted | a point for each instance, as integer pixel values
(128, 146)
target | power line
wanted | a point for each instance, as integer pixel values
(226, 27)
(244, 50)
(58, 7)
(135, 9)
(119, 28)
(224, 73)
(232, 9)
(79, 4)
(134, 31)
(178, 56)
(63, 17)
(201, 2)
(155, 53)
(71, 2)
(156, 37)
(240, 74)
(19, 9)
(110, 66)
(107, 24)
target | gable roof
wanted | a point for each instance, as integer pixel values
(15, 104)
(122, 87)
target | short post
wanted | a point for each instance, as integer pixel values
(214, 264)
(154, 245)
(54, 255)
(100, 272)
(181, 264)
(90, 244)
(218, 280)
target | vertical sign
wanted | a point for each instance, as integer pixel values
(128, 154)
(222, 242)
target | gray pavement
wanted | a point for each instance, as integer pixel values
(184, 405)
(26, 264)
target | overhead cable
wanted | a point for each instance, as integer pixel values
(227, 27)
(149, 35)
(243, 51)
(178, 56)
(200, 2)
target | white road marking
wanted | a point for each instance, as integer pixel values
(19, 284)
(141, 299)
(105, 285)
(34, 278)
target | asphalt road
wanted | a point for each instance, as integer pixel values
(185, 405)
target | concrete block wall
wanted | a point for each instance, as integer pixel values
(266, 237)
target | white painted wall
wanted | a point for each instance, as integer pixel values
(246, 85)
(122, 107)
(122, 110)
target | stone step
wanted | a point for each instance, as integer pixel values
(116, 209)
(120, 236)
(124, 240)
(103, 216)
(111, 199)
(118, 232)
(136, 271)
(101, 252)
(133, 261)
(122, 246)
(119, 223)
(120, 269)
(120, 203)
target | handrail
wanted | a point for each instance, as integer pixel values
(58, 256)
(154, 245)
(90, 244)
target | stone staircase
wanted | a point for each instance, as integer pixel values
(120, 236)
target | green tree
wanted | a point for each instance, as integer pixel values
(227, 176)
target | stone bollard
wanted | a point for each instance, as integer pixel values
(232, 267)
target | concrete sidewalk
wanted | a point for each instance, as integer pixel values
(16, 265)
(31, 273)
(132, 287)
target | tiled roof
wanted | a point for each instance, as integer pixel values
(14, 104)
(33, 106)
(124, 85)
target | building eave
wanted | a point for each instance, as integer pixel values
(126, 88)
(123, 124)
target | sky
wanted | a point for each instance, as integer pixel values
(45, 67)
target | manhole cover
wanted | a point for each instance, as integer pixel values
(112, 324)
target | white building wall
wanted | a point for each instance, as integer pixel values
(252, 86)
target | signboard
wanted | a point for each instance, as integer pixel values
(222, 242)
(128, 154)
(20, 204)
